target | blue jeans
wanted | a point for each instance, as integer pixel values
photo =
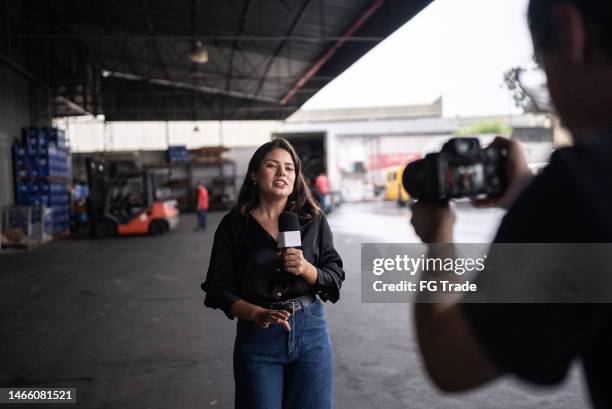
(276, 369)
(202, 218)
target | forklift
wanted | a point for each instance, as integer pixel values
(124, 201)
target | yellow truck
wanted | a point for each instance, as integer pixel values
(394, 189)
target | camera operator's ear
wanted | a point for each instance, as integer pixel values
(571, 35)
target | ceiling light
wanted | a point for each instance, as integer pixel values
(199, 54)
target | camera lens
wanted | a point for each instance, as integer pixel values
(414, 178)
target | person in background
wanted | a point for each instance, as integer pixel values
(202, 205)
(78, 206)
(322, 189)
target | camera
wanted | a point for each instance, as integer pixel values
(461, 169)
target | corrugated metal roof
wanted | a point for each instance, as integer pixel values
(266, 57)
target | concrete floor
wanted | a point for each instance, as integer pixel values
(122, 320)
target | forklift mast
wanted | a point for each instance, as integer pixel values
(99, 175)
(104, 178)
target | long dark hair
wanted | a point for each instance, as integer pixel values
(299, 201)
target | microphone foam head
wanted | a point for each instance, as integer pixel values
(289, 234)
(288, 221)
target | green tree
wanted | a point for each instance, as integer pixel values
(485, 127)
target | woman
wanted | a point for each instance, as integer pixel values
(282, 353)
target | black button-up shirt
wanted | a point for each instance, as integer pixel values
(245, 264)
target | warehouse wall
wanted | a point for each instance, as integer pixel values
(14, 114)
(92, 135)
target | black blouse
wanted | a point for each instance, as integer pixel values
(245, 264)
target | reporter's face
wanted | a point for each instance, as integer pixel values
(276, 174)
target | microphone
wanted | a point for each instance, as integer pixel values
(289, 231)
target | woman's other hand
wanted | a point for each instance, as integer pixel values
(264, 317)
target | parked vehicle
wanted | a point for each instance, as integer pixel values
(125, 202)
(394, 189)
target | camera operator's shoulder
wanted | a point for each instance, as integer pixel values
(592, 159)
(567, 169)
(552, 179)
(534, 215)
(588, 167)
(568, 156)
(585, 168)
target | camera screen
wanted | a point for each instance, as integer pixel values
(465, 179)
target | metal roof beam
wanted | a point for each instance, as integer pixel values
(278, 49)
(192, 87)
(204, 38)
(34, 80)
(373, 8)
(194, 31)
(230, 68)
(241, 28)
(154, 42)
(6, 29)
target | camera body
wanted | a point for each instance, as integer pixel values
(461, 169)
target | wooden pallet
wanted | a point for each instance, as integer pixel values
(23, 246)
(61, 234)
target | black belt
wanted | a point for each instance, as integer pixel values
(293, 305)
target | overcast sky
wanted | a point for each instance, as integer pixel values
(458, 49)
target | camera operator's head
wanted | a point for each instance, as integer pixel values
(573, 43)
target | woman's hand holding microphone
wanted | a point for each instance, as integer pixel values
(295, 263)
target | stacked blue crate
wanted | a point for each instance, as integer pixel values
(19, 217)
(21, 164)
(34, 222)
(177, 154)
(42, 223)
(42, 173)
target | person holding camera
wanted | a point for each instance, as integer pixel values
(282, 352)
(465, 345)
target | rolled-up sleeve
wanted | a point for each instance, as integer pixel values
(221, 284)
(330, 273)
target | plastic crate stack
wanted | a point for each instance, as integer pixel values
(42, 173)
(27, 226)
(178, 154)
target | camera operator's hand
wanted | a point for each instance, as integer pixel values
(433, 221)
(517, 171)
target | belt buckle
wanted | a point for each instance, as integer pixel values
(292, 303)
(284, 306)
